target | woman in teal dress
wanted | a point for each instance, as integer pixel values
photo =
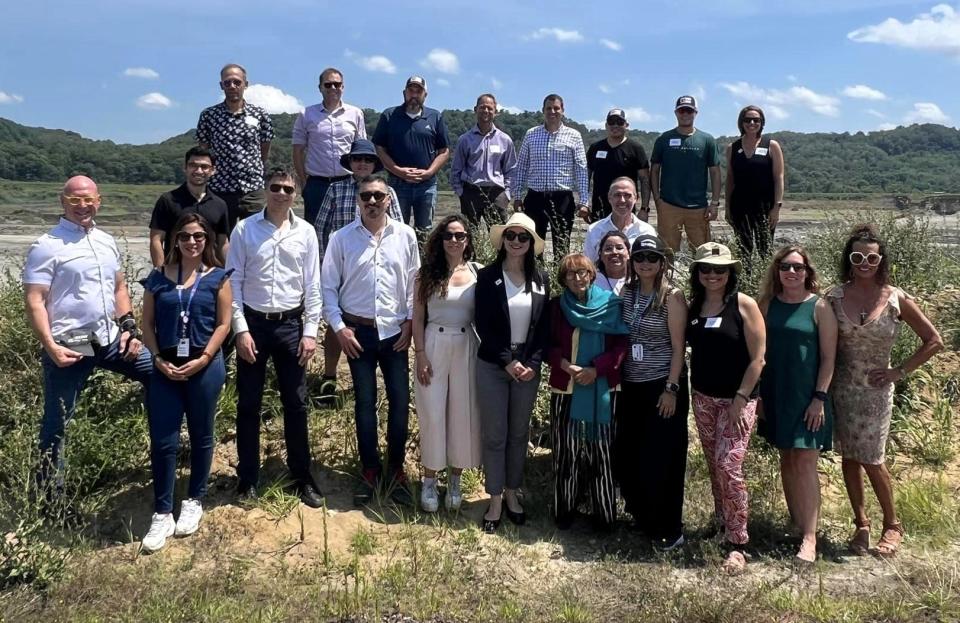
(801, 348)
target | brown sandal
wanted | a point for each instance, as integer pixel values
(890, 540)
(860, 542)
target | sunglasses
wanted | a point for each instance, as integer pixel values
(616, 121)
(651, 257)
(872, 259)
(366, 159)
(752, 120)
(231, 83)
(276, 188)
(459, 236)
(197, 236)
(522, 236)
(786, 267)
(581, 274)
(686, 111)
(85, 201)
(333, 85)
(706, 269)
(376, 195)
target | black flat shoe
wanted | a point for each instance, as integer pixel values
(311, 496)
(516, 518)
(490, 525)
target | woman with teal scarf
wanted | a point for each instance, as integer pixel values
(588, 343)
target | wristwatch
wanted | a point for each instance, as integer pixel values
(671, 388)
(715, 203)
(821, 396)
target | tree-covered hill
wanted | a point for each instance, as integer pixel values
(919, 158)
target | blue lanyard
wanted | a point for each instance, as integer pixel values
(185, 313)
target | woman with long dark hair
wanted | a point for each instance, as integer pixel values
(869, 310)
(186, 317)
(612, 264)
(446, 350)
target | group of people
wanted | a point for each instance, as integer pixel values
(234, 264)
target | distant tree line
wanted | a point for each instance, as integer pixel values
(919, 158)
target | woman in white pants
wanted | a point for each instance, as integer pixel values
(446, 353)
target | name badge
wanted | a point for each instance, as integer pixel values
(252, 121)
(601, 154)
(712, 323)
(636, 351)
(495, 149)
(183, 347)
(674, 142)
(760, 151)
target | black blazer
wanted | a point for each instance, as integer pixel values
(492, 319)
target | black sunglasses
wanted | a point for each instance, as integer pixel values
(332, 85)
(459, 236)
(796, 267)
(616, 121)
(367, 159)
(706, 269)
(231, 83)
(376, 195)
(277, 188)
(752, 120)
(651, 257)
(522, 236)
(197, 236)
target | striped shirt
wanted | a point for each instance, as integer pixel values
(551, 161)
(339, 209)
(649, 330)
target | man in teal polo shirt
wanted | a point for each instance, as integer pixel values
(681, 159)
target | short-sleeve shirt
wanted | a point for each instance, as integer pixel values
(202, 309)
(606, 163)
(235, 138)
(684, 160)
(80, 269)
(411, 142)
(179, 201)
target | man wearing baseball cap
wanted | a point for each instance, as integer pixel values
(681, 159)
(412, 144)
(615, 156)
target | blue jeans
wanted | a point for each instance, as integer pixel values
(420, 198)
(313, 193)
(167, 403)
(61, 387)
(395, 368)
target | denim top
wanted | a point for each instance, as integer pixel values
(203, 309)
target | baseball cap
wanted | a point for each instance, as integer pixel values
(417, 80)
(649, 242)
(686, 101)
(617, 112)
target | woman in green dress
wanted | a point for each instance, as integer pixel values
(801, 348)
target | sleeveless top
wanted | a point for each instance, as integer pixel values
(649, 330)
(863, 347)
(456, 309)
(718, 351)
(753, 178)
(167, 308)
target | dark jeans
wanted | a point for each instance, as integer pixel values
(555, 209)
(650, 454)
(240, 205)
(168, 402)
(421, 199)
(313, 193)
(479, 202)
(600, 207)
(394, 366)
(61, 387)
(277, 340)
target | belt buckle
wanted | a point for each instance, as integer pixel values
(273, 315)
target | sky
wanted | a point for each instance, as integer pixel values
(140, 71)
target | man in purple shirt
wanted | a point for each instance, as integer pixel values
(483, 161)
(321, 134)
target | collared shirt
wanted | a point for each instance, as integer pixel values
(275, 269)
(339, 209)
(179, 201)
(80, 268)
(235, 138)
(550, 161)
(328, 135)
(411, 141)
(370, 277)
(636, 228)
(482, 159)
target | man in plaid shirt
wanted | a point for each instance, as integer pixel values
(552, 163)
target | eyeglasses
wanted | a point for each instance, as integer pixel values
(752, 120)
(366, 159)
(197, 236)
(521, 236)
(231, 83)
(651, 257)
(333, 85)
(581, 274)
(623, 195)
(376, 195)
(872, 259)
(85, 200)
(786, 267)
(706, 269)
(459, 236)
(199, 166)
(616, 121)
(276, 188)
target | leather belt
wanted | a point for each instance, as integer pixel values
(357, 320)
(273, 316)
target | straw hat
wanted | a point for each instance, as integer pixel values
(716, 254)
(517, 219)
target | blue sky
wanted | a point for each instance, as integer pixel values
(141, 70)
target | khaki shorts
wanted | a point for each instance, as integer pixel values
(672, 221)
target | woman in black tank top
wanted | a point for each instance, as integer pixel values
(754, 187)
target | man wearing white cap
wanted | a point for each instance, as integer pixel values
(615, 156)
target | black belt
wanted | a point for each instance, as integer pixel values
(357, 320)
(335, 178)
(289, 314)
(486, 188)
(549, 194)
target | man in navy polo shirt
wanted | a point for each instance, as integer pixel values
(412, 144)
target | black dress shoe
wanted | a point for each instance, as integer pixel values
(489, 525)
(311, 496)
(517, 518)
(246, 494)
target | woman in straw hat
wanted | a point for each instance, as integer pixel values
(727, 343)
(512, 325)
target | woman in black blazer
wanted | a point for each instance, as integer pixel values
(512, 324)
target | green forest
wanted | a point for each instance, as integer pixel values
(915, 159)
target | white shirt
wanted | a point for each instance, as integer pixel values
(636, 228)
(370, 277)
(520, 306)
(612, 285)
(275, 269)
(80, 268)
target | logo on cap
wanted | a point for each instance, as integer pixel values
(418, 80)
(686, 101)
(715, 250)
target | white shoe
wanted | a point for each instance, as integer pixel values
(161, 526)
(429, 499)
(454, 497)
(190, 513)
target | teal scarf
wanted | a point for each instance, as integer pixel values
(596, 317)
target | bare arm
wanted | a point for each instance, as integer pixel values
(121, 297)
(827, 337)
(299, 162)
(224, 318)
(156, 247)
(389, 164)
(728, 188)
(35, 298)
(776, 154)
(931, 344)
(715, 184)
(441, 158)
(149, 321)
(655, 182)
(677, 324)
(644, 177)
(756, 336)
(264, 152)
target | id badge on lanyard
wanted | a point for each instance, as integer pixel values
(183, 344)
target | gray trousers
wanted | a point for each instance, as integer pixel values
(505, 408)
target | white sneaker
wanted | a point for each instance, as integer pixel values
(454, 497)
(161, 526)
(429, 499)
(190, 513)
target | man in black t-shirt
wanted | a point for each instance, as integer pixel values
(615, 156)
(191, 196)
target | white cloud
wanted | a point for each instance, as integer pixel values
(444, 61)
(511, 109)
(141, 72)
(863, 92)
(10, 98)
(796, 95)
(595, 124)
(936, 31)
(818, 103)
(154, 101)
(611, 44)
(791, 78)
(610, 88)
(443, 82)
(605, 88)
(636, 114)
(699, 92)
(875, 113)
(887, 126)
(376, 62)
(496, 83)
(775, 112)
(926, 112)
(561, 35)
(272, 99)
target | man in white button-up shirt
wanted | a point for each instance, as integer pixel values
(623, 198)
(368, 277)
(276, 312)
(74, 288)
